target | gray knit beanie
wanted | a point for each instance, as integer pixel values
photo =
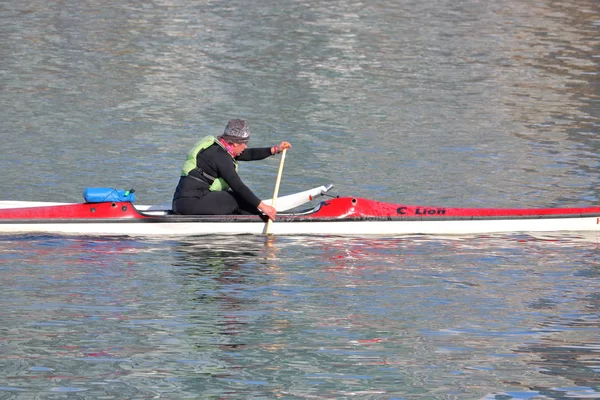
(236, 131)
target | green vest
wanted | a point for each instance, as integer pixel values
(190, 163)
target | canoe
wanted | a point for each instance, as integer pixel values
(333, 216)
(283, 203)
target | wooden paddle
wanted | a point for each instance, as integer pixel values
(276, 191)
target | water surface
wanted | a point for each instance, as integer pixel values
(438, 103)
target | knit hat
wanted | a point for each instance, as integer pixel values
(236, 131)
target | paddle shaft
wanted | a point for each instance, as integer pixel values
(276, 190)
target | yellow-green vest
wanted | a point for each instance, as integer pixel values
(190, 162)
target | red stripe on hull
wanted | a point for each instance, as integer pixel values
(338, 208)
(357, 207)
(120, 210)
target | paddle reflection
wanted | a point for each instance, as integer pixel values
(221, 275)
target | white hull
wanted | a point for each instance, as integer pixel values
(314, 227)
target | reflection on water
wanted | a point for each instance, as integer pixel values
(418, 317)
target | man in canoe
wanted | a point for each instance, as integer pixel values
(209, 182)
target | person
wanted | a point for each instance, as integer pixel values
(209, 183)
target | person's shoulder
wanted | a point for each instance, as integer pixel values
(215, 148)
(217, 153)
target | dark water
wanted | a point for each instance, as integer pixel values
(450, 103)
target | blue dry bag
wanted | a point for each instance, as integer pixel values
(99, 195)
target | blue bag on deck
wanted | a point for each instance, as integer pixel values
(99, 195)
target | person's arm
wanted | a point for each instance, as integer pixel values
(260, 153)
(255, 153)
(226, 170)
(235, 183)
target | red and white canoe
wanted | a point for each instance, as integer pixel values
(334, 216)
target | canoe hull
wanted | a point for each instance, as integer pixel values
(342, 227)
(339, 216)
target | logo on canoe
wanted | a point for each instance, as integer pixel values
(421, 211)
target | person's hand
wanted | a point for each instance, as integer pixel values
(267, 210)
(280, 147)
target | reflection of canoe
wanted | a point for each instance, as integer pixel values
(335, 216)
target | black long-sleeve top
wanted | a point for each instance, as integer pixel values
(217, 162)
